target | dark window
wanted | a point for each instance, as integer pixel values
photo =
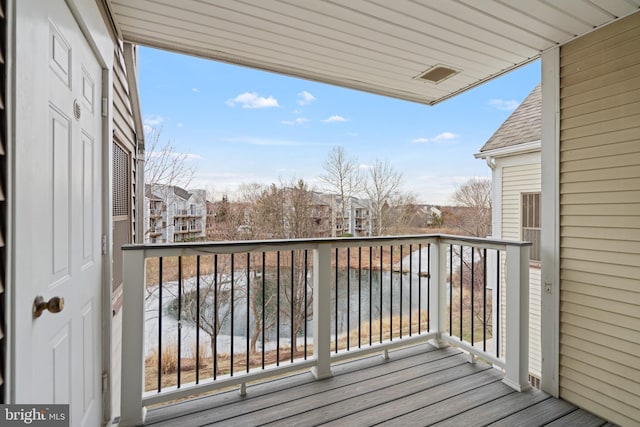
(531, 223)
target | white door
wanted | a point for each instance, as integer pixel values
(58, 212)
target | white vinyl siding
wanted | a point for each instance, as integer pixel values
(600, 222)
(125, 144)
(516, 180)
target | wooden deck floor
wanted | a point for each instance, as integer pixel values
(417, 386)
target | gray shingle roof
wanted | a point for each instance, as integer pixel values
(523, 125)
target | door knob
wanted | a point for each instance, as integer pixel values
(54, 305)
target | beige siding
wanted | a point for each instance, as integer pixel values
(518, 179)
(124, 134)
(600, 222)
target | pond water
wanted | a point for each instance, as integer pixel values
(367, 295)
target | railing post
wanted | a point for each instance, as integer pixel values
(132, 382)
(438, 292)
(322, 311)
(517, 318)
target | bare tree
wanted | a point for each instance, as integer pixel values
(163, 164)
(381, 189)
(227, 221)
(472, 217)
(474, 199)
(343, 178)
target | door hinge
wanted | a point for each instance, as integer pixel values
(104, 244)
(105, 106)
(105, 382)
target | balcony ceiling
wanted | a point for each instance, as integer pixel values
(378, 46)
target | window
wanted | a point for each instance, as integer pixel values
(531, 223)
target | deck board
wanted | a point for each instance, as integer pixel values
(418, 385)
(539, 414)
(370, 408)
(495, 410)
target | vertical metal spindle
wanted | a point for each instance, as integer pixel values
(306, 275)
(461, 286)
(401, 276)
(451, 290)
(497, 333)
(264, 304)
(159, 324)
(419, 288)
(359, 295)
(293, 327)
(428, 286)
(391, 293)
(381, 281)
(370, 292)
(484, 300)
(179, 319)
(215, 316)
(197, 319)
(348, 295)
(336, 304)
(278, 308)
(232, 310)
(248, 306)
(473, 268)
(410, 286)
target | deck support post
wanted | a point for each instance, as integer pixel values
(132, 413)
(322, 311)
(438, 292)
(517, 318)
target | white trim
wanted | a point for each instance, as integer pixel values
(550, 241)
(496, 211)
(10, 101)
(527, 147)
(90, 21)
(96, 32)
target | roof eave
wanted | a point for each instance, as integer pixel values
(527, 147)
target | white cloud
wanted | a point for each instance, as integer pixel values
(352, 134)
(333, 119)
(186, 156)
(265, 141)
(152, 123)
(253, 100)
(154, 120)
(305, 98)
(363, 166)
(504, 104)
(179, 125)
(442, 137)
(298, 121)
(195, 90)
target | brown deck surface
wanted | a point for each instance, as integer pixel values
(416, 386)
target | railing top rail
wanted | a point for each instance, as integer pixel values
(193, 248)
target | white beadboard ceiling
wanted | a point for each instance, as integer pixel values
(378, 46)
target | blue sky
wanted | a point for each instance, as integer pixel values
(240, 125)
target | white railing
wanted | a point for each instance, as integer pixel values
(435, 264)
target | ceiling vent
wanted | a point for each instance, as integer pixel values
(437, 74)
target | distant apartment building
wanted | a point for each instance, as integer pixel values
(173, 214)
(357, 219)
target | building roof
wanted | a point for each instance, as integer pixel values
(181, 192)
(523, 125)
(149, 194)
